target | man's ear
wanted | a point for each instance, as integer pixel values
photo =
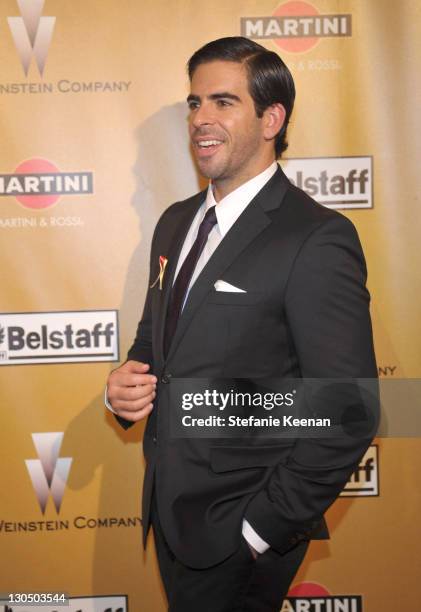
(273, 120)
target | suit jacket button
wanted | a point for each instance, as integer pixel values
(154, 440)
(166, 379)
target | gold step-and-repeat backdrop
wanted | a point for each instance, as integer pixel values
(93, 147)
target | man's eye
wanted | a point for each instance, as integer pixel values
(223, 103)
(193, 105)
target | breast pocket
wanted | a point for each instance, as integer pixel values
(229, 298)
(245, 317)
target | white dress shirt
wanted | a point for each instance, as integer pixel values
(227, 212)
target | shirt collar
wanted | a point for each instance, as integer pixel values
(230, 208)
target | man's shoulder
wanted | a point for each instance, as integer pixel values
(186, 205)
(300, 203)
(293, 207)
(178, 213)
(303, 211)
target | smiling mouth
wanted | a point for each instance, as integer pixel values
(206, 148)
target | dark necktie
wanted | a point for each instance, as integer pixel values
(178, 292)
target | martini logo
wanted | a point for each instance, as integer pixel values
(110, 603)
(37, 183)
(32, 33)
(313, 597)
(335, 182)
(58, 337)
(296, 27)
(48, 473)
(364, 482)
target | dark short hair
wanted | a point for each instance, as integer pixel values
(269, 79)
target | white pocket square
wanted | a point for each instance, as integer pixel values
(221, 285)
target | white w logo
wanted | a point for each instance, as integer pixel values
(48, 473)
(32, 33)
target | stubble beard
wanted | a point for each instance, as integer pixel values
(231, 166)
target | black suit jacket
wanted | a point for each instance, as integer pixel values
(305, 314)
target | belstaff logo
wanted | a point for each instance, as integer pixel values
(335, 182)
(32, 33)
(37, 183)
(313, 597)
(48, 473)
(364, 482)
(297, 26)
(58, 337)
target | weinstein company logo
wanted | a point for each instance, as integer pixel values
(49, 473)
(32, 33)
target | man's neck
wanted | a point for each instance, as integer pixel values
(223, 187)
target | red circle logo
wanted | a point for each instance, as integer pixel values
(37, 166)
(296, 8)
(308, 589)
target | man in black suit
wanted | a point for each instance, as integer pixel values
(250, 279)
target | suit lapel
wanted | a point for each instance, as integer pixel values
(181, 223)
(248, 226)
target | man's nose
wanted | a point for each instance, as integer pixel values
(203, 116)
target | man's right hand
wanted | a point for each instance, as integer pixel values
(131, 390)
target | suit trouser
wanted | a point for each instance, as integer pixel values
(237, 584)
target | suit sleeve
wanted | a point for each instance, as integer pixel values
(141, 349)
(327, 310)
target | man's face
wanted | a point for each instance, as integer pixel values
(226, 134)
